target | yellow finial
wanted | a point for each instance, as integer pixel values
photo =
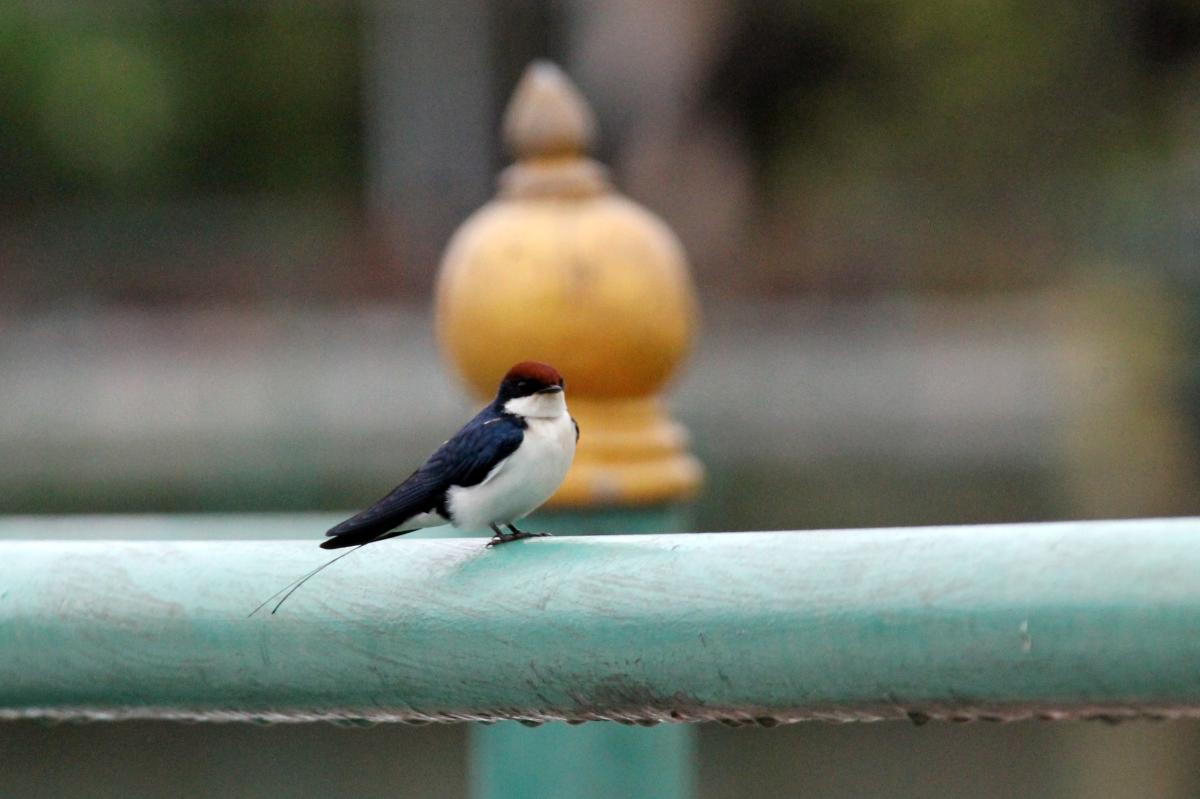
(549, 128)
(547, 115)
(562, 269)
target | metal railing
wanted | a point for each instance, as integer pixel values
(1061, 620)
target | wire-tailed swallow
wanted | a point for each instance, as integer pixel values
(499, 468)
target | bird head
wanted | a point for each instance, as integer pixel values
(533, 389)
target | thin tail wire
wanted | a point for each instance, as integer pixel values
(294, 585)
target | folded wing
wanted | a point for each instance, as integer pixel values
(464, 460)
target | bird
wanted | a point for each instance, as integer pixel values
(494, 472)
(500, 467)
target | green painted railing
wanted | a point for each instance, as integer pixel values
(1006, 621)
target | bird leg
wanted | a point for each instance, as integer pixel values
(523, 534)
(501, 537)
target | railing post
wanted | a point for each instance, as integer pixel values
(561, 268)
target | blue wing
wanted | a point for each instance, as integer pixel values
(464, 460)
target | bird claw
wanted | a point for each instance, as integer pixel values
(504, 538)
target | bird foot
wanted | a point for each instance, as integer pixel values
(518, 535)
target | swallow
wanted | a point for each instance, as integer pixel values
(492, 473)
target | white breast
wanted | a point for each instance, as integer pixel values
(523, 481)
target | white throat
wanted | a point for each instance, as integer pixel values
(538, 406)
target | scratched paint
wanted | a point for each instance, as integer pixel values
(748, 628)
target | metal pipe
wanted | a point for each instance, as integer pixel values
(1006, 621)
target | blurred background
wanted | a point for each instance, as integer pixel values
(947, 254)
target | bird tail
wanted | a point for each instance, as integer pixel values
(294, 585)
(356, 538)
(399, 509)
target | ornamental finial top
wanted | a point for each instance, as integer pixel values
(547, 116)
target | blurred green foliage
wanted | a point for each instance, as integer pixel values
(939, 143)
(869, 87)
(917, 145)
(162, 99)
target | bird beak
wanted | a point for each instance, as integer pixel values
(550, 390)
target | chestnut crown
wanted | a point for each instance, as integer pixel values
(530, 377)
